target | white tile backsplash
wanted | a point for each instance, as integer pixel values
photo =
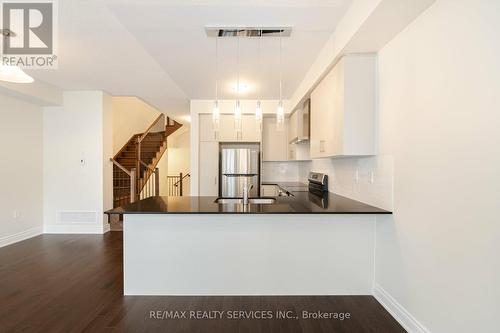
(280, 171)
(367, 179)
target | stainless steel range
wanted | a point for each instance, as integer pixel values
(318, 188)
(318, 183)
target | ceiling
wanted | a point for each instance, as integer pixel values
(158, 49)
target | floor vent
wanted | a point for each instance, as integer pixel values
(77, 217)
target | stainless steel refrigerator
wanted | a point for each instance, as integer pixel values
(239, 165)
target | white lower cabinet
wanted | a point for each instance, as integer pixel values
(343, 109)
(209, 169)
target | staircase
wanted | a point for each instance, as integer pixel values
(135, 175)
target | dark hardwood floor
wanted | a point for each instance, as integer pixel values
(73, 283)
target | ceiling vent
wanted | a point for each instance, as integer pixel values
(248, 31)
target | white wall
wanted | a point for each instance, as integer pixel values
(179, 156)
(76, 163)
(131, 115)
(107, 151)
(439, 116)
(21, 170)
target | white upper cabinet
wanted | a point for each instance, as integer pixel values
(292, 126)
(343, 109)
(274, 142)
(251, 132)
(207, 132)
(299, 152)
(227, 129)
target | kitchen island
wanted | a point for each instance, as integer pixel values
(297, 245)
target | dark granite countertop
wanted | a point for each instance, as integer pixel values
(289, 187)
(299, 203)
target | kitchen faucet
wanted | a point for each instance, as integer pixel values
(246, 190)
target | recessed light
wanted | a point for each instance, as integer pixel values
(242, 89)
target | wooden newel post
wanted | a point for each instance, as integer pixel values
(157, 182)
(180, 184)
(133, 184)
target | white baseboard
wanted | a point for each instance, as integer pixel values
(20, 236)
(74, 229)
(410, 323)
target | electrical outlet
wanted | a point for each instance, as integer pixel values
(356, 176)
(16, 214)
(372, 177)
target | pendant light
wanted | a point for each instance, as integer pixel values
(216, 110)
(14, 74)
(280, 112)
(258, 115)
(258, 108)
(237, 109)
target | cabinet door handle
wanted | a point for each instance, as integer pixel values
(322, 146)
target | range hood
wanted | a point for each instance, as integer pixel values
(302, 123)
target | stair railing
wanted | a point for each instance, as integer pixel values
(131, 175)
(157, 126)
(176, 184)
(150, 186)
(146, 185)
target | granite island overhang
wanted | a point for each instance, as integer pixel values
(295, 246)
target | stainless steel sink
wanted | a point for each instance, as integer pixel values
(255, 201)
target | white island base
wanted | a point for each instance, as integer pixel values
(248, 254)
